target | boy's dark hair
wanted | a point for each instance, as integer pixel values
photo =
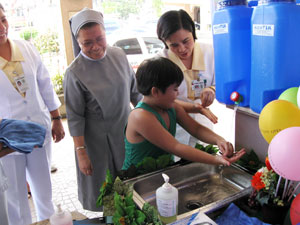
(172, 21)
(157, 72)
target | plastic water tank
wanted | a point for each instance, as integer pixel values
(275, 51)
(252, 3)
(232, 50)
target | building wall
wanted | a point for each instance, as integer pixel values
(68, 9)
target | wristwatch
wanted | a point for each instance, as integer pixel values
(56, 118)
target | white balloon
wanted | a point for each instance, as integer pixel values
(298, 98)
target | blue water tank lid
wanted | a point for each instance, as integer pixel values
(252, 3)
(226, 3)
(268, 1)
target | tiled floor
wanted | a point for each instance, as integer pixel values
(64, 183)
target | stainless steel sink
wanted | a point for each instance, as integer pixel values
(200, 186)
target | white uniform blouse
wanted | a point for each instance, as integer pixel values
(40, 98)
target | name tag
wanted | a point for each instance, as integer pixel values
(21, 83)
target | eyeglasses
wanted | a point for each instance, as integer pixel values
(90, 44)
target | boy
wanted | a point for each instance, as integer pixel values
(152, 124)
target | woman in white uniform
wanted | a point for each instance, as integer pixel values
(16, 135)
(27, 94)
(177, 30)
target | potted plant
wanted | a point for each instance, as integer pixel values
(119, 207)
(57, 81)
(272, 193)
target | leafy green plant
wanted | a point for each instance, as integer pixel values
(126, 211)
(47, 43)
(29, 34)
(116, 198)
(57, 81)
(250, 161)
(106, 188)
(209, 148)
(147, 165)
(107, 191)
(151, 213)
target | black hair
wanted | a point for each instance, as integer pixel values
(157, 72)
(172, 21)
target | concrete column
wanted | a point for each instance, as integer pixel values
(68, 9)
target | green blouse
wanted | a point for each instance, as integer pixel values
(136, 152)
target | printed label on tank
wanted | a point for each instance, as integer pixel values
(220, 28)
(263, 30)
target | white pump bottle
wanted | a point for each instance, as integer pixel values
(167, 201)
(61, 217)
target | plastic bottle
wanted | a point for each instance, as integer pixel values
(167, 201)
(232, 50)
(61, 217)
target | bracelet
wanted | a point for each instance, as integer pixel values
(80, 147)
(212, 88)
(56, 118)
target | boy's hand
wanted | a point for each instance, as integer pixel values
(225, 147)
(206, 112)
(226, 161)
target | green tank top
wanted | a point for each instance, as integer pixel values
(135, 153)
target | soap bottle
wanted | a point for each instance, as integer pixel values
(61, 217)
(167, 201)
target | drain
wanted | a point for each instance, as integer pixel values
(191, 205)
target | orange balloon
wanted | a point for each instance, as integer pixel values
(277, 116)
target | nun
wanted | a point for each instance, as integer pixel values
(99, 86)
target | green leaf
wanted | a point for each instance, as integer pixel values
(116, 217)
(108, 205)
(140, 217)
(119, 205)
(149, 164)
(105, 189)
(199, 146)
(151, 214)
(129, 200)
(129, 210)
(163, 161)
(119, 186)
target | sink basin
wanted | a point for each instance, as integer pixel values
(200, 187)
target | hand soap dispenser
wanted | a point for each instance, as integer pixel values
(167, 201)
(61, 217)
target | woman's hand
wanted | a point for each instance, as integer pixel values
(207, 97)
(84, 162)
(58, 132)
(4, 151)
(206, 112)
(225, 147)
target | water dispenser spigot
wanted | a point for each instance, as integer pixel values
(236, 97)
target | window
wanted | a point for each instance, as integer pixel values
(130, 46)
(153, 44)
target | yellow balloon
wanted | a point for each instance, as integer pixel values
(276, 116)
